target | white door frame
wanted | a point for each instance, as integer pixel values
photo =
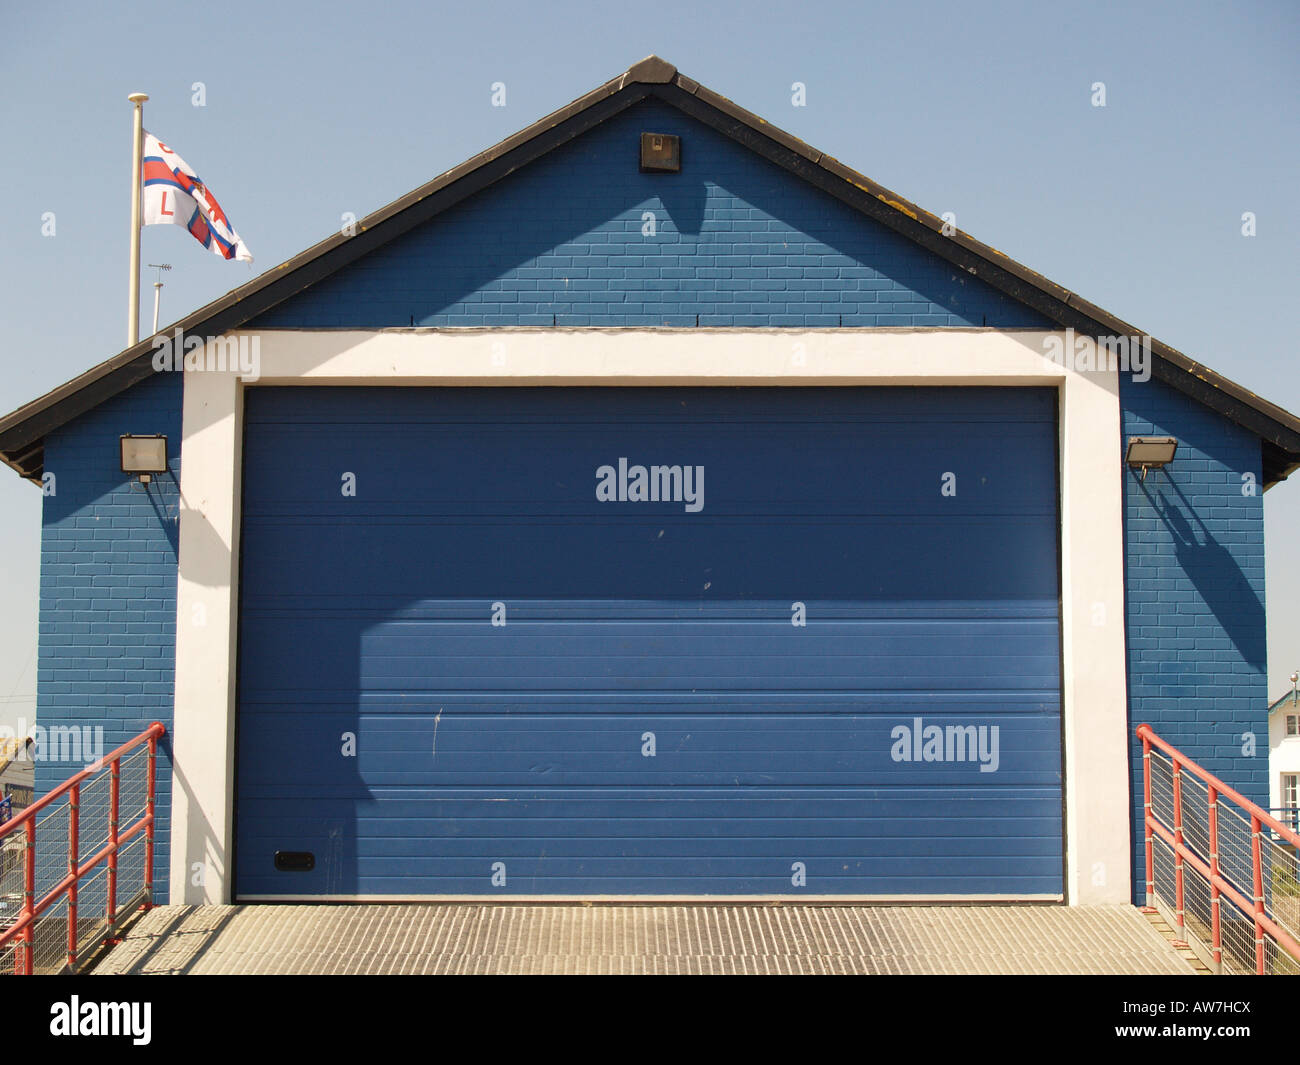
(1094, 679)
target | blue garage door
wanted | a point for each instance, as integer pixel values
(649, 641)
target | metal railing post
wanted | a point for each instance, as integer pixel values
(1181, 941)
(114, 793)
(27, 950)
(1146, 823)
(1216, 928)
(74, 834)
(151, 795)
(1257, 875)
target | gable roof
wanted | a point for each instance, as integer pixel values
(23, 431)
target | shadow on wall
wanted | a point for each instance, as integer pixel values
(684, 201)
(1212, 570)
(167, 521)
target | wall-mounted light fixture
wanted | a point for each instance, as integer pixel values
(1150, 452)
(144, 455)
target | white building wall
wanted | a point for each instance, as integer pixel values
(1283, 752)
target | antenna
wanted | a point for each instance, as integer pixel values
(157, 291)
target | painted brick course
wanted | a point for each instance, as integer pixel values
(738, 242)
(1194, 573)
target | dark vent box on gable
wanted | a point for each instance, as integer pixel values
(661, 152)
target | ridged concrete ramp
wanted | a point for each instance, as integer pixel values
(505, 938)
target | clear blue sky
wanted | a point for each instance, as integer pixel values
(314, 109)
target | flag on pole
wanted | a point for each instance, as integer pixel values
(175, 195)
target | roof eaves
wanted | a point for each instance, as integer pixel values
(1289, 699)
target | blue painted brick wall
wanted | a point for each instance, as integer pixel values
(108, 588)
(738, 242)
(1194, 551)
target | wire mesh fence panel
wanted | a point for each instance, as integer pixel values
(133, 791)
(1282, 883)
(1238, 947)
(92, 908)
(93, 816)
(1278, 962)
(1198, 908)
(12, 849)
(133, 805)
(51, 848)
(1163, 864)
(130, 871)
(50, 951)
(11, 873)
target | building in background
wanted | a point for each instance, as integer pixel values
(654, 506)
(17, 776)
(17, 789)
(1284, 758)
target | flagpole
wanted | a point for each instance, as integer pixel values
(133, 308)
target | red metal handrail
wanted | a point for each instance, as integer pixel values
(24, 928)
(1216, 789)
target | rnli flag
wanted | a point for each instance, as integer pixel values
(175, 195)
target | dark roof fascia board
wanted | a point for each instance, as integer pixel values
(1278, 429)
